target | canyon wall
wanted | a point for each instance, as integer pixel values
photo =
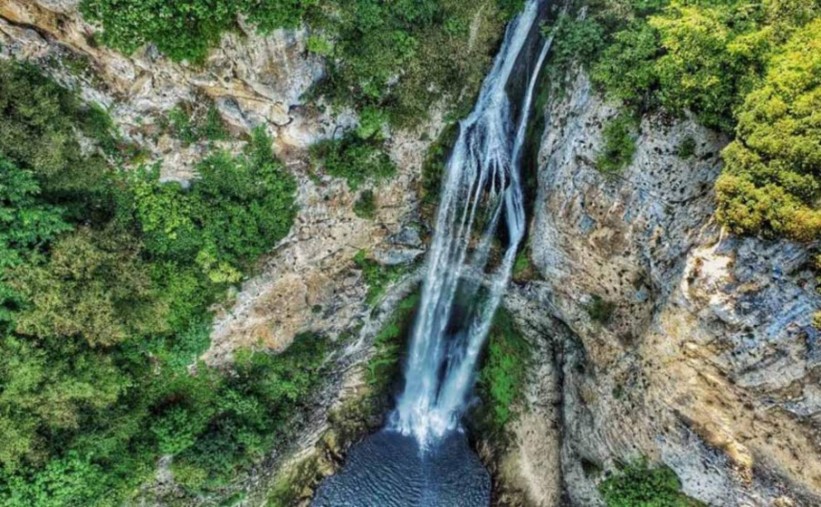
(669, 339)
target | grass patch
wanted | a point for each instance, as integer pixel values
(637, 485)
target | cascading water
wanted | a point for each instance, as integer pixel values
(482, 188)
(420, 460)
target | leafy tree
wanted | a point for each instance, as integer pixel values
(772, 180)
(94, 287)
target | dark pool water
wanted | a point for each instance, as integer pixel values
(389, 470)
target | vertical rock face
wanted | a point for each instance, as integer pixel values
(708, 362)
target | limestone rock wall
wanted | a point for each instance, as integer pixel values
(708, 362)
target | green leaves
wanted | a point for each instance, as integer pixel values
(185, 29)
(106, 279)
(353, 158)
(502, 375)
(639, 486)
(772, 181)
(619, 144)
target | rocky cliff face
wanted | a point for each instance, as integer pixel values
(708, 362)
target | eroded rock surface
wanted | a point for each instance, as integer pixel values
(708, 362)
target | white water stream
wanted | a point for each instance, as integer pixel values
(481, 190)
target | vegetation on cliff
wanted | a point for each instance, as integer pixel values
(637, 485)
(107, 279)
(502, 376)
(748, 68)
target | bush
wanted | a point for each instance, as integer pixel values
(771, 184)
(190, 128)
(184, 29)
(600, 310)
(355, 159)
(687, 148)
(238, 208)
(639, 486)
(619, 145)
(365, 205)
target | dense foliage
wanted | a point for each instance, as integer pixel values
(746, 67)
(185, 30)
(107, 277)
(353, 158)
(636, 485)
(502, 375)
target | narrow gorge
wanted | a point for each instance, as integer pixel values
(410, 253)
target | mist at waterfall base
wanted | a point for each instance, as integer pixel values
(422, 457)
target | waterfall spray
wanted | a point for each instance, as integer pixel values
(461, 291)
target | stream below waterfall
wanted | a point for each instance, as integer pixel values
(422, 458)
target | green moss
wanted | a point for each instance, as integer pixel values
(523, 268)
(636, 485)
(389, 345)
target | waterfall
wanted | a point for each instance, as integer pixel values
(462, 288)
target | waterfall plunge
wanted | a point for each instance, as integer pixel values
(482, 188)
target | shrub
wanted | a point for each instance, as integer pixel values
(771, 184)
(619, 145)
(365, 205)
(639, 486)
(687, 148)
(355, 159)
(184, 29)
(600, 310)
(190, 128)
(377, 276)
